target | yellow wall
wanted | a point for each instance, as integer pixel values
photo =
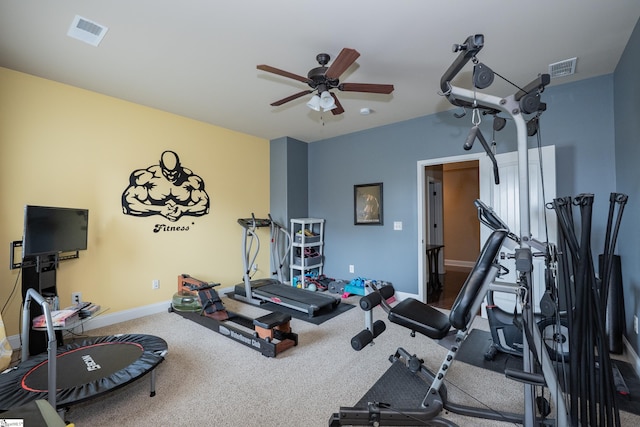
(68, 147)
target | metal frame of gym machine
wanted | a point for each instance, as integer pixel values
(525, 101)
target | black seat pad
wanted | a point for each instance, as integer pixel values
(462, 308)
(420, 317)
(271, 320)
(423, 318)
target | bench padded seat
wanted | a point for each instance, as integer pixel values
(420, 317)
(271, 320)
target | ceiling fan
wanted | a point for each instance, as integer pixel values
(323, 78)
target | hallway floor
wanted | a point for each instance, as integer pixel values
(452, 282)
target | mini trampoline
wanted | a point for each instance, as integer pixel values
(84, 369)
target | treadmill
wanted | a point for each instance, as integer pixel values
(261, 291)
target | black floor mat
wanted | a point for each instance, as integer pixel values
(319, 318)
(397, 387)
(478, 342)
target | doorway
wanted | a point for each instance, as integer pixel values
(503, 199)
(448, 219)
(451, 223)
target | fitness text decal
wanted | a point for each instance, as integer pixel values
(91, 364)
(167, 189)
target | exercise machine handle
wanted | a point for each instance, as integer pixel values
(468, 50)
(468, 144)
(488, 217)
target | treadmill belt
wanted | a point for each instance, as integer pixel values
(296, 294)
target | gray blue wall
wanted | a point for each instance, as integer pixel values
(627, 127)
(579, 121)
(593, 123)
(288, 179)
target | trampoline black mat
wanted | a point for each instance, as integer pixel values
(478, 342)
(86, 369)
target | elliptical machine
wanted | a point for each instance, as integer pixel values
(506, 328)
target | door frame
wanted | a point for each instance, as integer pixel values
(422, 213)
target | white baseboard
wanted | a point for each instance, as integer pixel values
(14, 341)
(108, 319)
(400, 296)
(458, 263)
(632, 356)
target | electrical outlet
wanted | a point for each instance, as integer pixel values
(155, 284)
(254, 267)
(352, 269)
(635, 323)
(76, 298)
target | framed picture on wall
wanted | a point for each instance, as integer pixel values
(367, 204)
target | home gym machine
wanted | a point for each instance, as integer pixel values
(539, 371)
(505, 327)
(269, 334)
(260, 291)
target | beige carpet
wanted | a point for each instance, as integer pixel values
(210, 380)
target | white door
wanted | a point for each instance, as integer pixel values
(504, 199)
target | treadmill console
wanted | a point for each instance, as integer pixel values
(254, 222)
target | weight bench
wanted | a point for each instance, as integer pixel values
(435, 324)
(423, 318)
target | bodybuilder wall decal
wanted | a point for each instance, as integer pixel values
(167, 189)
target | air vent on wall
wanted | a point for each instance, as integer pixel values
(87, 31)
(563, 68)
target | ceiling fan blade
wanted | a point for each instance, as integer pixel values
(282, 73)
(345, 58)
(291, 98)
(366, 87)
(338, 109)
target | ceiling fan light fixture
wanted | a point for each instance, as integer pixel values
(314, 103)
(322, 79)
(326, 101)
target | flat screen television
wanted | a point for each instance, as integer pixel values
(49, 230)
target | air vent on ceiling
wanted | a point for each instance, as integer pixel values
(87, 31)
(563, 68)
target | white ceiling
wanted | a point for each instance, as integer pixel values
(197, 58)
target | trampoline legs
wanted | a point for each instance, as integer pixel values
(153, 383)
